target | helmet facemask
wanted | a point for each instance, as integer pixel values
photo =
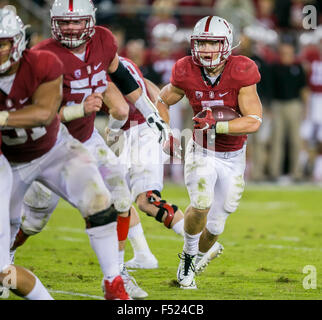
(18, 45)
(209, 59)
(73, 38)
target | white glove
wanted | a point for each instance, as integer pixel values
(157, 124)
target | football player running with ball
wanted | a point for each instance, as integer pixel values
(214, 168)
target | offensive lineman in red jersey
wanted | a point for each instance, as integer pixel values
(214, 175)
(88, 53)
(40, 148)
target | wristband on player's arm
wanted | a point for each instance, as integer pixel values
(222, 127)
(145, 106)
(4, 115)
(73, 112)
(114, 124)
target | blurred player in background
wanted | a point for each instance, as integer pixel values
(40, 148)
(214, 172)
(162, 55)
(143, 155)
(312, 126)
(254, 40)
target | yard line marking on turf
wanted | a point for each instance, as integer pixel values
(268, 205)
(73, 230)
(277, 246)
(152, 236)
(71, 239)
(76, 294)
(284, 238)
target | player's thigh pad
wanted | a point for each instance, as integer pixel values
(5, 191)
(71, 172)
(227, 192)
(200, 175)
(39, 204)
(112, 170)
(146, 170)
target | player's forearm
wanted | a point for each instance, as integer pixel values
(31, 116)
(69, 113)
(169, 96)
(163, 111)
(114, 100)
(239, 126)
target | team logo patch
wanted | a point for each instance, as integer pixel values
(78, 73)
(211, 94)
(199, 95)
(9, 103)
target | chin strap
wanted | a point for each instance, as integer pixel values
(164, 208)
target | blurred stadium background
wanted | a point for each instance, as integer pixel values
(155, 33)
(277, 230)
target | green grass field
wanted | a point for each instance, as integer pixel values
(275, 233)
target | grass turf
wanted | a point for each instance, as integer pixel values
(274, 234)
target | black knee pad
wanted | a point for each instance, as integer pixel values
(101, 218)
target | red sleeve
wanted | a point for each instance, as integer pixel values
(245, 72)
(178, 73)
(48, 61)
(109, 43)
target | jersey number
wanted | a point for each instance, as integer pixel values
(81, 86)
(22, 136)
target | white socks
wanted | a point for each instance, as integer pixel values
(121, 256)
(39, 292)
(178, 228)
(104, 242)
(138, 241)
(191, 243)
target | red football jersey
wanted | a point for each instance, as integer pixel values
(239, 72)
(82, 78)
(314, 59)
(135, 116)
(163, 65)
(24, 145)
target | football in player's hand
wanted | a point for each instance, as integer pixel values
(221, 113)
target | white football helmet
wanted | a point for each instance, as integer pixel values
(13, 29)
(163, 36)
(66, 10)
(212, 28)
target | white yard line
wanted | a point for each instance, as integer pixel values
(76, 294)
(71, 239)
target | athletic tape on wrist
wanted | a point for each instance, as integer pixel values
(4, 115)
(222, 127)
(73, 112)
